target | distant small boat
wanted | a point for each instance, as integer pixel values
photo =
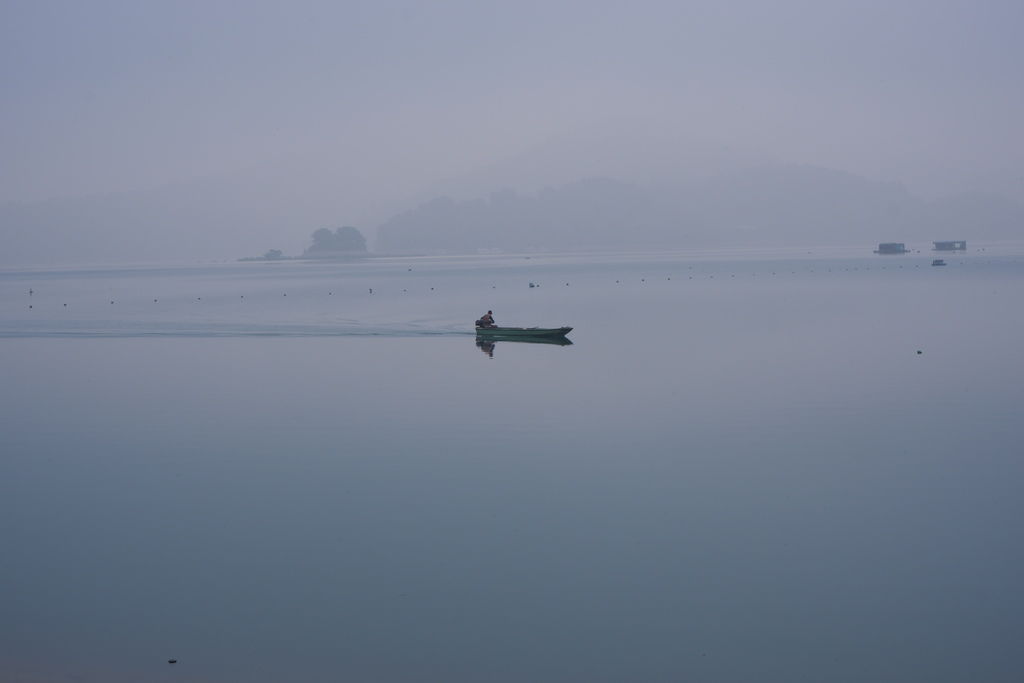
(523, 332)
(938, 262)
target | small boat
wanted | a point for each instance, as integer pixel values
(523, 332)
(938, 262)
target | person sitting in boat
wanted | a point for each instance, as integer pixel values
(486, 320)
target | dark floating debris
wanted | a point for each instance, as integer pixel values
(919, 352)
(172, 661)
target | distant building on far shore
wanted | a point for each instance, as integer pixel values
(891, 248)
(954, 245)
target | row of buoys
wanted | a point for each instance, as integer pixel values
(531, 284)
(534, 285)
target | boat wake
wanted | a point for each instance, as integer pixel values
(123, 330)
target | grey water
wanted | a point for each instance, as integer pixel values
(790, 465)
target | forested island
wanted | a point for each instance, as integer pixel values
(345, 242)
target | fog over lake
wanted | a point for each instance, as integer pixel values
(772, 465)
(193, 131)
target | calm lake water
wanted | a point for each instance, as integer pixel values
(798, 465)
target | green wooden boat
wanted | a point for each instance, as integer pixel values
(522, 332)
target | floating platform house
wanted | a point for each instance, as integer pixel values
(960, 245)
(891, 248)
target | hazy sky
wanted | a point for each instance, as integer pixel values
(105, 96)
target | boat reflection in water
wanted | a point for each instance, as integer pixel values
(488, 342)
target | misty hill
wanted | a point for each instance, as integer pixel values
(756, 206)
(591, 213)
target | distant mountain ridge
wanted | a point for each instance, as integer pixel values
(756, 206)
